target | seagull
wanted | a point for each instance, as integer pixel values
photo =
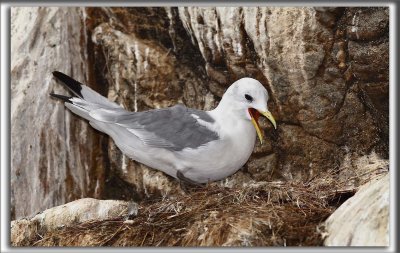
(191, 145)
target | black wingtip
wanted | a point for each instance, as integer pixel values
(55, 73)
(71, 83)
(64, 98)
(61, 76)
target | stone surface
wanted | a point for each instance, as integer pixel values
(326, 70)
(143, 75)
(312, 70)
(363, 220)
(78, 211)
(262, 169)
(55, 157)
(367, 23)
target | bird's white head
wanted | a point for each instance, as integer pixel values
(248, 99)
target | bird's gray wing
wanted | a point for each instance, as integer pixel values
(173, 128)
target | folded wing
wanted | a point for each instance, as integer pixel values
(173, 128)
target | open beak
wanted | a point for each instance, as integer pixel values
(255, 114)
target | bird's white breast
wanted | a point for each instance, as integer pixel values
(219, 159)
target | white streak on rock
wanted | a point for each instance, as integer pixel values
(124, 164)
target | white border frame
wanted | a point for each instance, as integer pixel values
(6, 128)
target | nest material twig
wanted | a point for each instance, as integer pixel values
(261, 214)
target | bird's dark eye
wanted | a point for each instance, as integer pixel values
(248, 97)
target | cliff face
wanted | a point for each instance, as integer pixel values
(326, 70)
(55, 157)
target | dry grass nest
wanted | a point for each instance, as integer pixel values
(259, 214)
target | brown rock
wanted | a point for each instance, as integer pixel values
(309, 77)
(148, 71)
(375, 97)
(367, 23)
(369, 61)
(304, 156)
(262, 169)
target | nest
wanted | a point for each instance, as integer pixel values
(260, 214)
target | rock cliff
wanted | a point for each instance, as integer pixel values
(326, 69)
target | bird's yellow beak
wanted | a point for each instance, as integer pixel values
(255, 114)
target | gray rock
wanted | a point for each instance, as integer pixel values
(363, 220)
(78, 211)
(55, 157)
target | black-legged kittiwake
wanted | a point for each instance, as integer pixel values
(191, 145)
